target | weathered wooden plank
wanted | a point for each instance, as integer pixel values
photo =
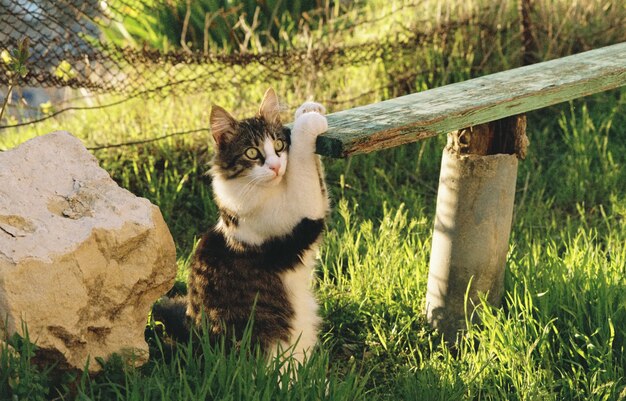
(476, 101)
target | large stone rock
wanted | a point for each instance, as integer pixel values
(81, 259)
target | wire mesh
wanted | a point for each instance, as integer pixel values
(68, 49)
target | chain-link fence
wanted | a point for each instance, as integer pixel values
(69, 49)
(71, 46)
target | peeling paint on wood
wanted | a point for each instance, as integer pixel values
(476, 101)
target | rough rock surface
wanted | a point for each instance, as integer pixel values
(81, 259)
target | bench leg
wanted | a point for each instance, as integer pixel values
(473, 221)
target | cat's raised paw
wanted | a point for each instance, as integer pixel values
(310, 124)
(310, 107)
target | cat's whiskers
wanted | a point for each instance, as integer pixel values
(243, 193)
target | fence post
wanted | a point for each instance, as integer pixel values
(473, 220)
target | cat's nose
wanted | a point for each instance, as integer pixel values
(274, 166)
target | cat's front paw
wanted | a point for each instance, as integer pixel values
(310, 125)
(310, 107)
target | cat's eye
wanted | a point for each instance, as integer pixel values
(279, 145)
(252, 153)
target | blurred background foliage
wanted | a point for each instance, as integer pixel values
(215, 25)
(344, 53)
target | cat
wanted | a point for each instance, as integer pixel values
(259, 258)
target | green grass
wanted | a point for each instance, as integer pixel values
(561, 332)
(559, 335)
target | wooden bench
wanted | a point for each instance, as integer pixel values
(487, 115)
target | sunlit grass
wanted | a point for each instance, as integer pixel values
(561, 332)
(559, 335)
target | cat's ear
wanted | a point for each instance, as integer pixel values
(270, 109)
(223, 125)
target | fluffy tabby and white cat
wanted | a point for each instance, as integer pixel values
(269, 187)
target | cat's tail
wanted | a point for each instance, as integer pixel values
(171, 313)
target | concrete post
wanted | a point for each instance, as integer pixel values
(473, 221)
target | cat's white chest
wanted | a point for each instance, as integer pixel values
(278, 215)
